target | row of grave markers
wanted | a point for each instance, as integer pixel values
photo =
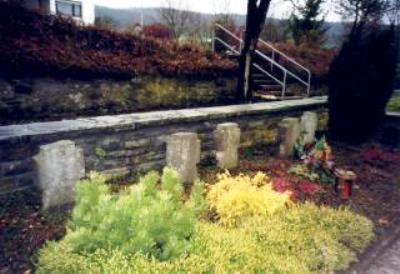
(61, 165)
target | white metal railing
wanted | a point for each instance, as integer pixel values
(272, 61)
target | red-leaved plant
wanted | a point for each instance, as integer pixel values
(380, 155)
(309, 187)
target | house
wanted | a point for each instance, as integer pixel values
(80, 10)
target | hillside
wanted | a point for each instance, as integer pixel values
(36, 44)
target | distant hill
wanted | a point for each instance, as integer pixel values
(126, 17)
(130, 16)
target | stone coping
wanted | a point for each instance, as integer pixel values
(135, 120)
(392, 114)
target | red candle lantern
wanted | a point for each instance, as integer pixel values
(344, 182)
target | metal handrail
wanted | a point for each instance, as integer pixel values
(284, 55)
(227, 45)
(229, 32)
(285, 71)
(270, 75)
(267, 44)
(255, 65)
(281, 67)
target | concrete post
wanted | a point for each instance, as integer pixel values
(60, 166)
(183, 155)
(309, 125)
(227, 140)
(289, 132)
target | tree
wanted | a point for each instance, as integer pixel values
(394, 19)
(306, 24)
(175, 17)
(275, 30)
(200, 31)
(222, 13)
(255, 20)
(363, 13)
(361, 84)
(362, 75)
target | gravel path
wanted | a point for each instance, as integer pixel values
(388, 262)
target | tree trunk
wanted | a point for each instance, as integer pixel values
(255, 21)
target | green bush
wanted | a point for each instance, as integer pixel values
(148, 218)
(303, 238)
(361, 83)
(238, 198)
(394, 103)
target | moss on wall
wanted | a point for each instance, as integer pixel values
(42, 99)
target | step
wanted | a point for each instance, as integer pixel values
(270, 87)
(276, 73)
(264, 79)
(272, 97)
(259, 75)
(277, 93)
(267, 97)
(230, 53)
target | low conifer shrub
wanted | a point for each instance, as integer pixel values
(151, 229)
(236, 199)
(150, 217)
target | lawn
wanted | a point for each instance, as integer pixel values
(394, 103)
(296, 204)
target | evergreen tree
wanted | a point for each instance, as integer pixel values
(307, 25)
(362, 75)
(361, 84)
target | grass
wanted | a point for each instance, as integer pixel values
(394, 103)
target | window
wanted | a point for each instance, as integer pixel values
(70, 8)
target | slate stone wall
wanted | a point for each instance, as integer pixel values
(120, 144)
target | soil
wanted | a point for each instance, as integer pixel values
(24, 228)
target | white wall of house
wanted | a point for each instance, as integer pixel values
(87, 15)
(82, 10)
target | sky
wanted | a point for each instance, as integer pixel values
(278, 9)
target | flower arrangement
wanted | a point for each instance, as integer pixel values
(318, 162)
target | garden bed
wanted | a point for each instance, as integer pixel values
(23, 225)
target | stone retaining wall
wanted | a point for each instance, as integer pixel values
(121, 144)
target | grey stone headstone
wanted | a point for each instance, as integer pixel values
(60, 166)
(183, 155)
(227, 140)
(289, 132)
(309, 125)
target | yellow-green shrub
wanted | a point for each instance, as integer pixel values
(303, 239)
(149, 218)
(325, 239)
(267, 238)
(236, 199)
